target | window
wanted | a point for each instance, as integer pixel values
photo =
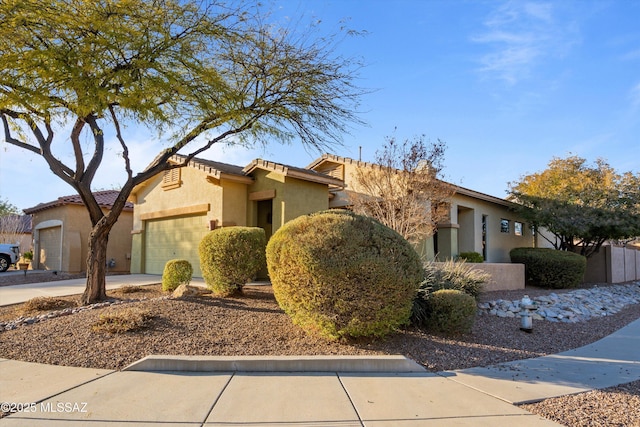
(171, 179)
(517, 228)
(504, 225)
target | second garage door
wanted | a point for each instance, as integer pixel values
(174, 238)
(50, 246)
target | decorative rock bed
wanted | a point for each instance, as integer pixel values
(29, 320)
(570, 307)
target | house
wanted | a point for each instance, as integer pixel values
(61, 231)
(173, 211)
(16, 228)
(477, 222)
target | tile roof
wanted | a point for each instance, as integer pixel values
(104, 198)
(216, 168)
(293, 171)
(22, 223)
(213, 166)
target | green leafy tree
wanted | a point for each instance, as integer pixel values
(11, 223)
(75, 72)
(582, 205)
(7, 208)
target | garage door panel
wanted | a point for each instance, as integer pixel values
(174, 238)
(50, 247)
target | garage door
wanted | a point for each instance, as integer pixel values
(50, 247)
(174, 238)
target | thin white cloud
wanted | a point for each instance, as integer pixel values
(519, 36)
(634, 94)
(631, 55)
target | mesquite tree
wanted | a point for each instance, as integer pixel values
(200, 73)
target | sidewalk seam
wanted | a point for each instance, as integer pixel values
(215, 402)
(75, 386)
(449, 378)
(350, 399)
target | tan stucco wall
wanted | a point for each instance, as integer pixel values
(225, 203)
(468, 212)
(76, 228)
(152, 199)
(234, 204)
(504, 277)
(293, 197)
(264, 181)
(304, 197)
(463, 232)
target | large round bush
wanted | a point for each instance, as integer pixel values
(342, 274)
(230, 257)
(550, 268)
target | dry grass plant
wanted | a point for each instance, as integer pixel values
(40, 304)
(121, 320)
(130, 289)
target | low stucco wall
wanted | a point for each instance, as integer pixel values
(504, 277)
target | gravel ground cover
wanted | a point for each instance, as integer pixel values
(612, 407)
(253, 324)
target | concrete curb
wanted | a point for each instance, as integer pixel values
(159, 363)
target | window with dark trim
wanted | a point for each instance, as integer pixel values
(518, 228)
(505, 226)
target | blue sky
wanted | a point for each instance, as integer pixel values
(506, 84)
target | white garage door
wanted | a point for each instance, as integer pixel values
(174, 238)
(50, 247)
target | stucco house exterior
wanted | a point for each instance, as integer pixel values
(16, 228)
(61, 229)
(175, 210)
(477, 222)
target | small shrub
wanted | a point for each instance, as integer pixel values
(342, 275)
(472, 257)
(39, 304)
(230, 257)
(455, 275)
(452, 312)
(176, 272)
(116, 321)
(550, 268)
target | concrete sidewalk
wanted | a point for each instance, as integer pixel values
(64, 396)
(310, 391)
(307, 391)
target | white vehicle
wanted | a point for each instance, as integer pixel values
(9, 254)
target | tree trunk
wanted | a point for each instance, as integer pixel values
(95, 290)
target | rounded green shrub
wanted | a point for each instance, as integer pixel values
(451, 311)
(176, 272)
(230, 257)
(473, 257)
(550, 268)
(456, 275)
(343, 275)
